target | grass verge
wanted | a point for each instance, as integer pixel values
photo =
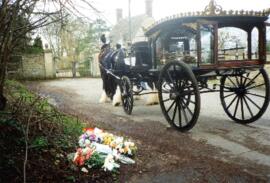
(35, 139)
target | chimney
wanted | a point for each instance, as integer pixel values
(148, 7)
(119, 14)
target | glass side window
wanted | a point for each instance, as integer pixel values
(207, 44)
(268, 43)
(255, 43)
(178, 44)
(232, 44)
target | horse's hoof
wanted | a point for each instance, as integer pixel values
(104, 98)
(116, 104)
(152, 99)
(117, 98)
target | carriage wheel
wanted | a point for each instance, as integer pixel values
(179, 95)
(126, 94)
(245, 97)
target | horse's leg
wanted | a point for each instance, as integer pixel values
(104, 98)
(117, 97)
(116, 93)
(152, 99)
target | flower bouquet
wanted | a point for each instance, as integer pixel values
(100, 149)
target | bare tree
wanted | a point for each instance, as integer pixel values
(16, 21)
(20, 17)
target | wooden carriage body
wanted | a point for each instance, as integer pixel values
(201, 29)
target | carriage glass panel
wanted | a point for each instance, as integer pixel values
(255, 43)
(207, 43)
(268, 43)
(233, 44)
(178, 44)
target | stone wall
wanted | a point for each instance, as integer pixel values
(32, 66)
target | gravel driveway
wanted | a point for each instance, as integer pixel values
(215, 150)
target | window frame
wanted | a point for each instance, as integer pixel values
(199, 46)
(266, 25)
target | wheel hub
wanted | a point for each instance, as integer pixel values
(174, 95)
(241, 91)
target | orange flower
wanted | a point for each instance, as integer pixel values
(88, 129)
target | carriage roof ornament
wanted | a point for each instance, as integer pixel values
(213, 10)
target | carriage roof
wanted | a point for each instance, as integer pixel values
(236, 18)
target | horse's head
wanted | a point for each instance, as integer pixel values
(103, 38)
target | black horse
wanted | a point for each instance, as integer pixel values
(110, 59)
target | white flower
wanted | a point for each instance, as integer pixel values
(129, 144)
(81, 143)
(84, 170)
(97, 131)
(119, 140)
(116, 154)
(108, 163)
(87, 143)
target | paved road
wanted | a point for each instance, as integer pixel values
(250, 143)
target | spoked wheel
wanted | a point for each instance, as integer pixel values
(245, 97)
(179, 95)
(126, 94)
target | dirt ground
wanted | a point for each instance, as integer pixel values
(215, 150)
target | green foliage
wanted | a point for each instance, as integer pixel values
(66, 128)
(79, 39)
(96, 161)
(84, 72)
(88, 38)
(33, 50)
(71, 178)
(38, 43)
(36, 48)
(39, 142)
(72, 125)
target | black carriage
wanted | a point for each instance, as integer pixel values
(185, 51)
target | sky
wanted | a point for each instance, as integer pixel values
(164, 8)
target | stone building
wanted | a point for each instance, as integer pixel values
(120, 32)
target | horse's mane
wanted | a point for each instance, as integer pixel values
(103, 51)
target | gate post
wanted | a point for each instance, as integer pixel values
(74, 69)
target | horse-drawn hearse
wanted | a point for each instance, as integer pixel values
(185, 51)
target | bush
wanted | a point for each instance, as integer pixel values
(33, 131)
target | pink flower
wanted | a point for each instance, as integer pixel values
(79, 158)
